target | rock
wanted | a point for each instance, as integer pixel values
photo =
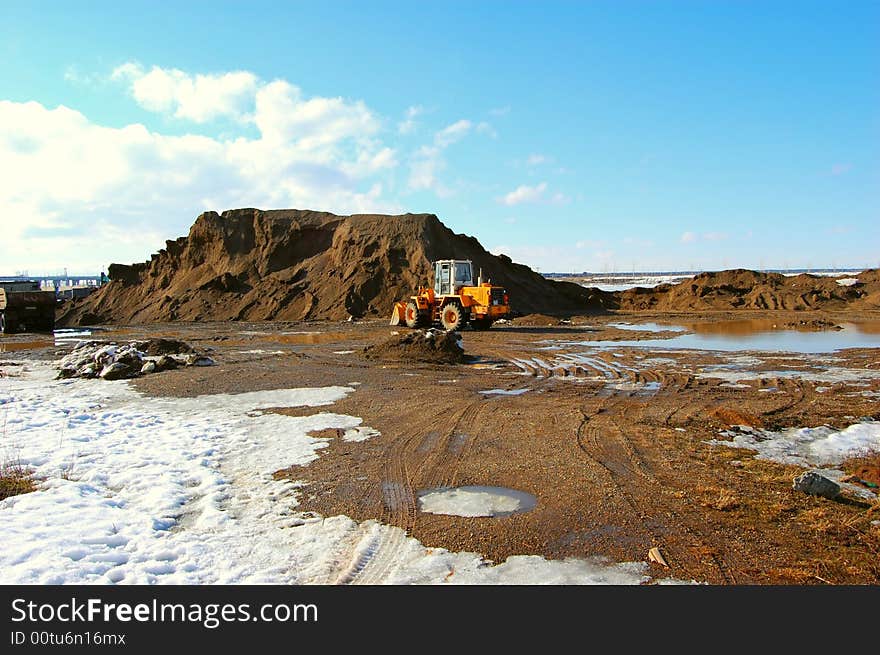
(148, 367)
(116, 371)
(199, 360)
(164, 347)
(166, 363)
(816, 485)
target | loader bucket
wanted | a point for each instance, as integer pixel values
(397, 313)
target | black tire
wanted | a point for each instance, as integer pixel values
(452, 317)
(481, 323)
(411, 315)
(2, 324)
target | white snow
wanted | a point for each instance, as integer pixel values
(504, 392)
(360, 433)
(343, 352)
(808, 447)
(847, 281)
(474, 501)
(830, 374)
(179, 490)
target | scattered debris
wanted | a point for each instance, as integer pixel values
(95, 359)
(816, 485)
(654, 555)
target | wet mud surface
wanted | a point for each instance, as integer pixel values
(611, 441)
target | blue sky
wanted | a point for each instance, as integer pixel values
(570, 135)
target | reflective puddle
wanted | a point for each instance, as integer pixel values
(475, 501)
(764, 335)
(648, 327)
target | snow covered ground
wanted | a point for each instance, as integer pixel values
(167, 490)
(821, 446)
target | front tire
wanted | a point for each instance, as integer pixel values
(451, 316)
(411, 314)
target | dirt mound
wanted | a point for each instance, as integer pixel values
(423, 346)
(535, 320)
(248, 264)
(744, 289)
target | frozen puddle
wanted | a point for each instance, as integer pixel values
(504, 392)
(142, 490)
(475, 501)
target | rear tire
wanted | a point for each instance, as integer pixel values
(451, 317)
(481, 323)
(2, 324)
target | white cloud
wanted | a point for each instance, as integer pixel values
(840, 169)
(524, 194)
(199, 98)
(116, 193)
(408, 124)
(487, 129)
(693, 237)
(452, 133)
(428, 160)
(500, 111)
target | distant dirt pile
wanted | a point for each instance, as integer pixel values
(424, 346)
(744, 289)
(248, 264)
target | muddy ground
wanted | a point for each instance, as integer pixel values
(612, 442)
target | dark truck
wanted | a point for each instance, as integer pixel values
(25, 308)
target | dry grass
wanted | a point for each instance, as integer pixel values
(723, 500)
(15, 479)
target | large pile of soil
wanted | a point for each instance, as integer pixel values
(744, 289)
(248, 264)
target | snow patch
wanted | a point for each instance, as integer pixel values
(475, 501)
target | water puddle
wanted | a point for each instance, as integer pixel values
(763, 335)
(305, 338)
(71, 336)
(475, 501)
(13, 346)
(648, 327)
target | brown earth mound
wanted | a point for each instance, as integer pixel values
(248, 264)
(535, 320)
(744, 289)
(426, 346)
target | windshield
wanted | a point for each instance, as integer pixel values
(463, 272)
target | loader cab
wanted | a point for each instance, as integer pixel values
(452, 274)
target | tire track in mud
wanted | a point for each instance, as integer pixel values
(601, 438)
(413, 461)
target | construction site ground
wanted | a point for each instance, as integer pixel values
(612, 442)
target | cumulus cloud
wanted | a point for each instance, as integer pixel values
(199, 98)
(523, 194)
(124, 190)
